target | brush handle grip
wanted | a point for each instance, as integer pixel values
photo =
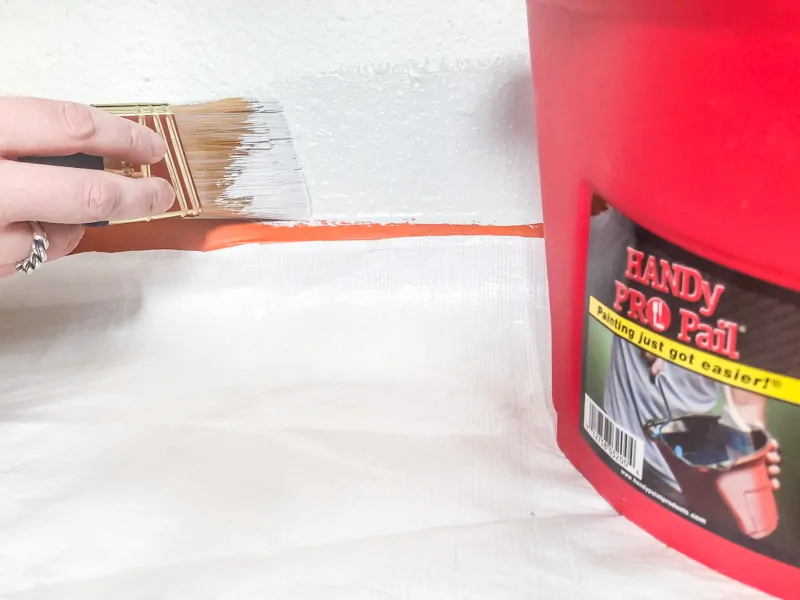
(75, 161)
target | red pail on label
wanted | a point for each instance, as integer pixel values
(719, 483)
(684, 115)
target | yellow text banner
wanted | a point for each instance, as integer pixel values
(714, 367)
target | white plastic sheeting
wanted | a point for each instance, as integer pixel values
(338, 421)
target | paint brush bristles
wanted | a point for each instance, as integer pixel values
(242, 159)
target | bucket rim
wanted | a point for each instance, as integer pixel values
(721, 467)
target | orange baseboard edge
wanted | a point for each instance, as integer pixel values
(205, 235)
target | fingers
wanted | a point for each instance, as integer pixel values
(63, 199)
(32, 192)
(39, 127)
(773, 463)
(657, 366)
(16, 240)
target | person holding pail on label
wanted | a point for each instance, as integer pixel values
(707, 450)
(634, 397)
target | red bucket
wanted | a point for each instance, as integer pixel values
(685, 116)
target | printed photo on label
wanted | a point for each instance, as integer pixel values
(691, 384)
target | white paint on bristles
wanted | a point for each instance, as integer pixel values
(265, 176)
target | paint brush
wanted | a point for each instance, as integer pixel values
(226, 159)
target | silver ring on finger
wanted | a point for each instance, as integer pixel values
(39, 246)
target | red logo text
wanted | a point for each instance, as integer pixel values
(683, 283)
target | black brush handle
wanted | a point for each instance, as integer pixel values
(75, 161)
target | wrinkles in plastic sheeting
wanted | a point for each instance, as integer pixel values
(349, 420)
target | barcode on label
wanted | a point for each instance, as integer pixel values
(624, 448)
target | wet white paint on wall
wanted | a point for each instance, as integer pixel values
(399, 110)
(422, 141)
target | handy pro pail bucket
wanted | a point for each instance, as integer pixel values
(669, 149)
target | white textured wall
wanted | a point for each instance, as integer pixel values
(415, 109)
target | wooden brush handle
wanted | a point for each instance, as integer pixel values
(76, 161)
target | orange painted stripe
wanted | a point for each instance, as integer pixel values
(204, 235)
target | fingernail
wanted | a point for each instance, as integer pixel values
(166, 196)
(157, 146)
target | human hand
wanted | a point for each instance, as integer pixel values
(774, 463)
(62, 199)
(655, 363)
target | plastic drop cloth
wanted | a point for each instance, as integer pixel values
(337, 421)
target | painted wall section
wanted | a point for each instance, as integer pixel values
(412, 110)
